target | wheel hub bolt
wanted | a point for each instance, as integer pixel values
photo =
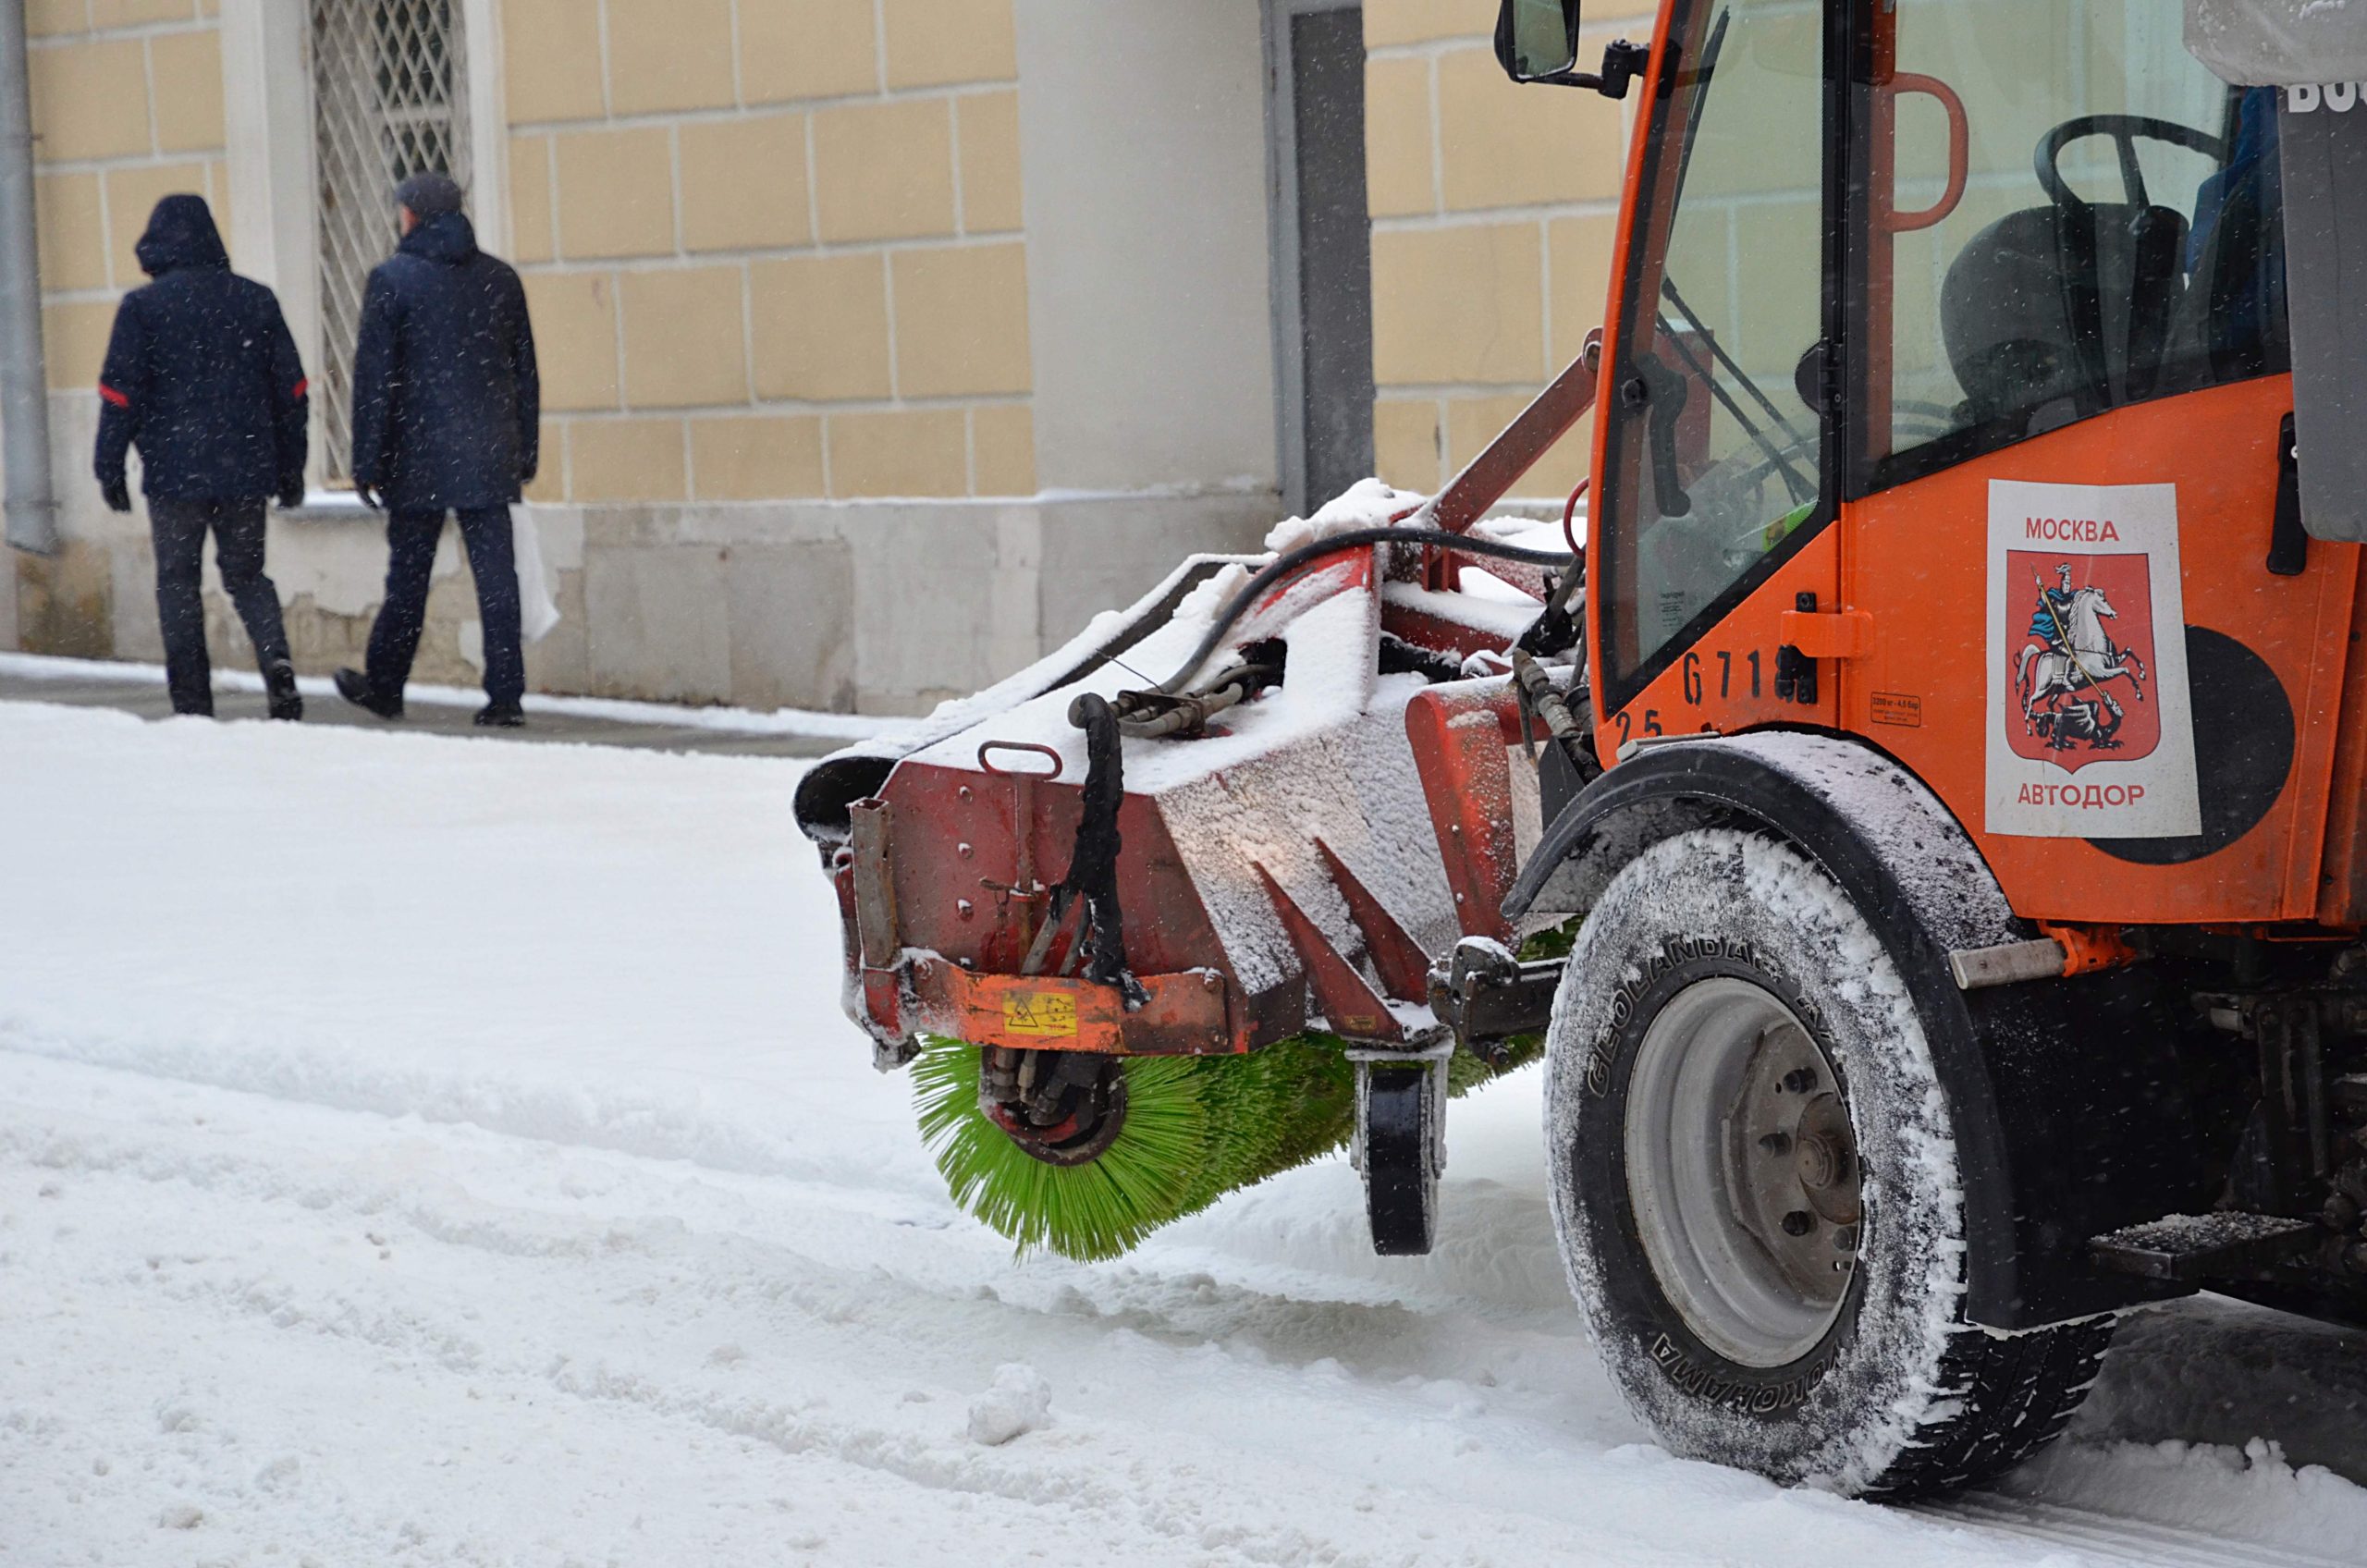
(1800, 1223)
(1776, 1142)
(1799, 1081)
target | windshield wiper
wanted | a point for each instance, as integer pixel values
(1800, 488)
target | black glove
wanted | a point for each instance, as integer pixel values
(291, 493)
(118, 494)
(370, 497)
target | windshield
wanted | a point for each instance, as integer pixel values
(2116, 234)
(1715, 452)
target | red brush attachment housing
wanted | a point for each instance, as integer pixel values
(946, 881)
(963, 863)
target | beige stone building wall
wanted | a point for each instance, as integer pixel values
(773, 247)
(820, 430)
(126, 99)
(1493, 209)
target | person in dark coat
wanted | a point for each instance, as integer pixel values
(203, 377)
(445, 410)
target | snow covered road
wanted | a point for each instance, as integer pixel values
(416, 1151)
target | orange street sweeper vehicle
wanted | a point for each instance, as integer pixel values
(1919, 825)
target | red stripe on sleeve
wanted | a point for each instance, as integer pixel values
(302, 383)
(112, 396)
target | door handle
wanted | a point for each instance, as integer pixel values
(1809, 635)
(1959, 154)
(1795, 670)
(2289, 542)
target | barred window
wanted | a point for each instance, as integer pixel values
(390, 100)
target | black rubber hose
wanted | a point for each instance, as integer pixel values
(1093, 865)
(1340, 543)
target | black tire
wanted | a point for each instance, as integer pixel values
(1876, 1386)
(1401, 1177)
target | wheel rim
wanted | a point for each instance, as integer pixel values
(1743, 1173)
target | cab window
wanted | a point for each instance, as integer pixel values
(2101, 225)
(1714, 455)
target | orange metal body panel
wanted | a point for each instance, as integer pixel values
(1915, 559)
(1726, 681)
(1904, 662)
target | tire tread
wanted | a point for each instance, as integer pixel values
(2012, 1395)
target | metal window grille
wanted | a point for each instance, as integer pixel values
(390, 100)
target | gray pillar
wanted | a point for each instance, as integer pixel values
(24, 383)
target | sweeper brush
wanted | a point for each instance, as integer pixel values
(1190, 1129)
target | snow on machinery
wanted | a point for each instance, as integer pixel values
(1946, 765)
(1115, 891)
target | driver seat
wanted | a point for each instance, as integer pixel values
(2063, 302)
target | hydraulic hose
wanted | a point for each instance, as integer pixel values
(1341, 544)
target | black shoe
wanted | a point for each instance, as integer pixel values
(355, 687)
(279, 685)
(501, 715)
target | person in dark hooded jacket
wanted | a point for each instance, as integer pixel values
(447, 405)
(203, 377)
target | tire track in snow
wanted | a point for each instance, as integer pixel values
(2117, 1538)
(1143, 1320)
(639, 1120)
(1144, 1502)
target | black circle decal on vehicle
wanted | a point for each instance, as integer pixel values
(2243, 749)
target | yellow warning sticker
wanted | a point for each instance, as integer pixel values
(1040, 1013)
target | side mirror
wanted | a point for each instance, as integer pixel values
(1538, 40)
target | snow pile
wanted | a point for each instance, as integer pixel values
(1368, 503)
(1205, 602)
(2250, 1490)
(1532, 534)
(1019, 1402)
(2205, 1370)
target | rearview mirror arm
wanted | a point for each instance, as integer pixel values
(1622, 63)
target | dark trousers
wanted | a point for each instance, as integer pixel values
(178, 528)
(411, 556)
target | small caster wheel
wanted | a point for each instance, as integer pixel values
(1401, 1164)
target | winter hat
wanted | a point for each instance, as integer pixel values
(429, 195)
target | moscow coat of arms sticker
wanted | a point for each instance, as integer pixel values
(2090, 727)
